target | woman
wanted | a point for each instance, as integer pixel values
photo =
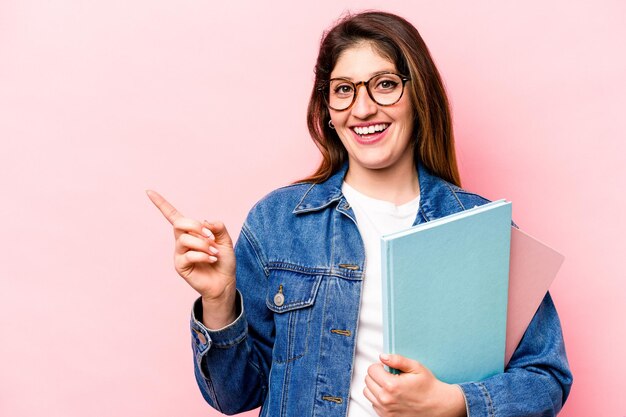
(290, 319)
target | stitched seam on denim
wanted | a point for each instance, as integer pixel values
(321, 338)
(344, 276)
(332, 200)
(490, 409)
(291, 337)
(287, 266)
(230, 343)
(464, 192)
(356, 330)
(303, 197)
(295, 185)
(262, 376)
(346, 211)
(296, 336)
(308, 325)
(288, 359)
(291, 334)
(342, 273)
(314, 209)
(294, 309)
(455, 196)
(285, 390)
(297, 304)
(290, 307)
(423, 212)
(209, 384)
(256, 247)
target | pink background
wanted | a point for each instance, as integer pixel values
(206, 103)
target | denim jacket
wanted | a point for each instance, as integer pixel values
(300, 268)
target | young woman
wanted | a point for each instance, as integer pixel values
(290, 319)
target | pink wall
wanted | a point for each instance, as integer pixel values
(205, 103)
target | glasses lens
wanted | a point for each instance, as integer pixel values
(386, 89)
(340, 94)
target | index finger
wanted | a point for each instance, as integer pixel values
(168, 210)
(378, 374)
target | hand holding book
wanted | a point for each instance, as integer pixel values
(416, 391)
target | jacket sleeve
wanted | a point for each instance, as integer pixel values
(536, 381)
(231, 365)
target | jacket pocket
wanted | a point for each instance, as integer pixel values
(291, 296)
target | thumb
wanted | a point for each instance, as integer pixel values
(220, 232)
(402, 363)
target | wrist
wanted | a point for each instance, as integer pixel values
(458, 405)
(219, 312)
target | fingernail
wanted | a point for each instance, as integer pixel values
(384, 356)
(212, 258)
(208, 233)
(213, 250)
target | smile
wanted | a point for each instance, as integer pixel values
(368, 130)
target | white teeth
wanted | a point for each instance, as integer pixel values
(368, 130)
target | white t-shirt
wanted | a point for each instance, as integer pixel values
(375, 218)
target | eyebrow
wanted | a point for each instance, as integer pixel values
(370, 76)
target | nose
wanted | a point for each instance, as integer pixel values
(363, 106)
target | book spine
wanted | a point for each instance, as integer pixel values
(387, 290)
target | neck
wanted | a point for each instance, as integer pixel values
(397, 184)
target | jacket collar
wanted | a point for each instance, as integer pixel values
(435, 193)
(318, 196)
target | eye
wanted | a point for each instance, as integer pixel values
(386, 84)
(343, 89)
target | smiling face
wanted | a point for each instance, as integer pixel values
(376, 137)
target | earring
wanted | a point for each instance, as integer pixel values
(331, 125)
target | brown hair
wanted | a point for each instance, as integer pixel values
(397, 40)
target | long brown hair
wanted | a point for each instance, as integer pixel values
(397, 40)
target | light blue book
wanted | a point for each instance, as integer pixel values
(445, 288)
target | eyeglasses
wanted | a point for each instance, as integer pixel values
(384, 89)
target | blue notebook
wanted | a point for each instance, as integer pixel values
(445, 288)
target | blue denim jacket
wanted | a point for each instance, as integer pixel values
(293, 353)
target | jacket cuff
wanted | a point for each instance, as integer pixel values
(204, 338)
(477, 400)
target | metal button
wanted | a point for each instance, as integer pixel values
(200, 337)
(279, 298)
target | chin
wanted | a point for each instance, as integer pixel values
(375, 165)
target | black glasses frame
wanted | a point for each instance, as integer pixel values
(324, 89)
